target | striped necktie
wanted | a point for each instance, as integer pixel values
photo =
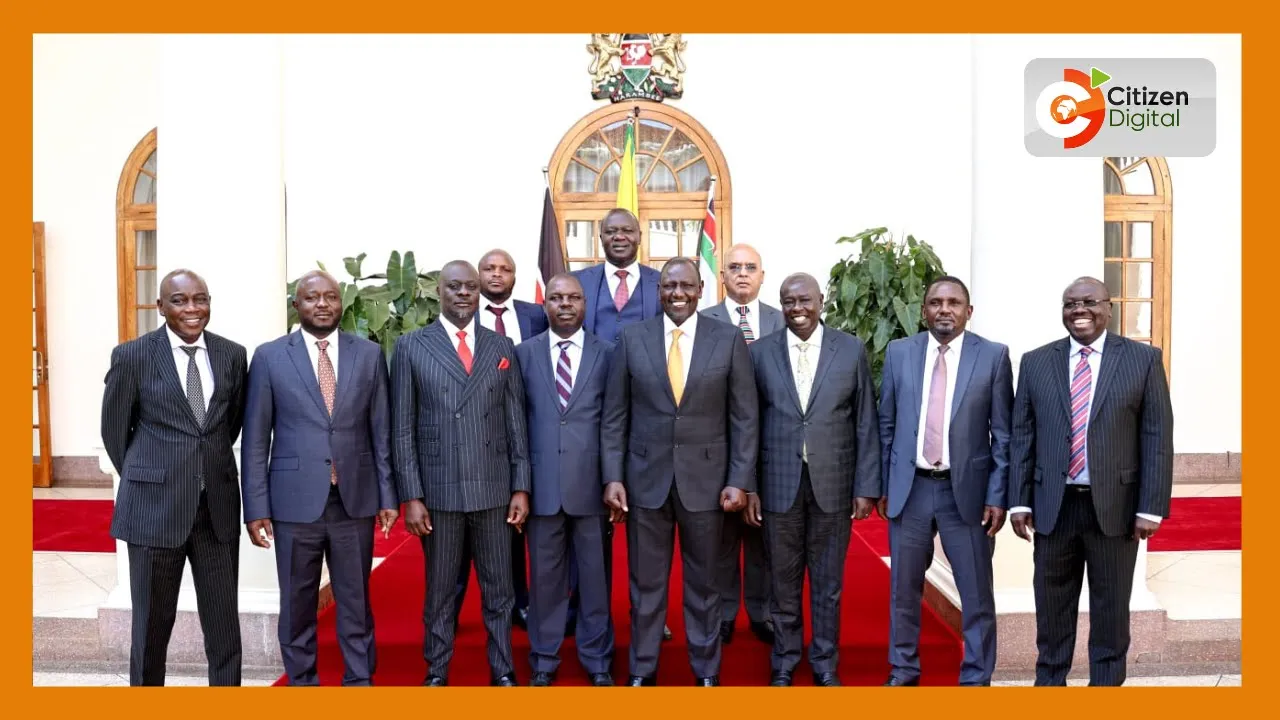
(743, 325)
(1080, 386)
(564, 380)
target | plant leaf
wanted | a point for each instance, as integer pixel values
(376, 293)
(377, 313)
(395, 275)
(353, 264)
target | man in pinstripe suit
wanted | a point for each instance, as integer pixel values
(1091, 473)
(462, 469)
(819, 467)
(171, 410)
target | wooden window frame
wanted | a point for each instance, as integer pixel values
(131, 218)
(1157, 209)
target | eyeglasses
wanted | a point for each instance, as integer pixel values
(1073, 304)
(735, 268)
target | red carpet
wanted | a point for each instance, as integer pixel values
(398, 586)
(1199, 523)
(72, 526)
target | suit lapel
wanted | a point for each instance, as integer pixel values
(436, 339)
(220, 369)
(484, 360)
(782, 357)
(770, 320)
(1112, 356)
(655, 346)
(919, 354)
(590, 354)
(162, 352)
(968, 358)
(346, 369)
(306, 373)
(543, 367)
(825, 356)
(1063, 372)
(649, 292)
(704, 345)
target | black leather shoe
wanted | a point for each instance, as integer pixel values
(894, 681)
(780, 678)
(763, 631)
(435, 681)
(826, 679)
(542, 679)
(666, 633)
(639, 681)
(520, 618)
(601, 679)
(726, 632)
(508, 680)
(713, 681)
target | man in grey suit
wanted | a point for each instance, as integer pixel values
(316, 460)
(461, 465)
(1091, 473)
(819, 467)
(679, 441)
(946, 403)
(744, 567)
(566, 371)
(171, 411)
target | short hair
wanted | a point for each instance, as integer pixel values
(953, 280)
(682, 260)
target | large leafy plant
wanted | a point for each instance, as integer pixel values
(405, 301)
(877, 295)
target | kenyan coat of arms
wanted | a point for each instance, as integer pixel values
(626, 66)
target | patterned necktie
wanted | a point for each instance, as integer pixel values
(675, 366)
(328, 384)
(464, 352)
(937, 407)
(1080, 385)
(804, 383)
(621, 295)
(498, 326)
(195, 391)
(564, 380)
(743, 325)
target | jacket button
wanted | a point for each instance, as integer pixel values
(327, 461)
(457, 415)
(564, 422)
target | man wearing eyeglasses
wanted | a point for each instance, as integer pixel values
(1091, 473)
(744, 569)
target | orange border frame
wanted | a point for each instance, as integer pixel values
(1000, 16)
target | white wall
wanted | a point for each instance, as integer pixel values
(1037, 224)
(93, 98)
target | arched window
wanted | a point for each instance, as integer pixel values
(675, 159)
(136, 289)
(1138, 247)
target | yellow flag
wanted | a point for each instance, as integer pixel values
(627, 194)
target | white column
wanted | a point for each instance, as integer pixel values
(220, 212)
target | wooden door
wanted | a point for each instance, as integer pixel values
(41, 456)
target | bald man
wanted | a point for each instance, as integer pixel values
(316, 470)
(171, 411)
(743, 564)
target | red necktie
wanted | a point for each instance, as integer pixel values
(498, 326)
(464, 352)
(622, 294)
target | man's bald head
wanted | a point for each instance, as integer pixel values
(742, 274)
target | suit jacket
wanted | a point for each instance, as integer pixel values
(458, 440)
(981, 417)
(290, 441)
(564, 447)
(839, 424)
(770, 321)
(160, 452)
(1130, 435)
(708, 442)
(531, 316)
(591, 278)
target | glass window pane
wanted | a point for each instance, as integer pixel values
(662, 239)
(680, 150)
(144, 191)
(1117, 311)
(652, 135)
(146, 287)
(657, 263)
(578, 178)
(1137, 319)
(690, 234)
(1139, 239)
(35, 364)
(1137, 280)
(144, 245)
(1111, 181)
(580, 265)
(150, 164)
(661, 180)
(1112, 239)
(609, 179)
(695, 178)
(148, 320)
(615, 133)
(579, 238)
(1111, 275)
(1138, 180)
(642, 166)
(594, 152)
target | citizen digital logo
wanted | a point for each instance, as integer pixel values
(1125, 97)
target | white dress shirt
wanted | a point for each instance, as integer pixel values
(452, 330)
(611, 277)
(574, 351)
(510, 321)
(753, 314)
(812, 352)
(1095, 366)
(313, 351)
(688, 329)
(180, 360)
(953, 370)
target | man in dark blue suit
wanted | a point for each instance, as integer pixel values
(497, 308)
(566, 372)
(946, 406)
(316, 469)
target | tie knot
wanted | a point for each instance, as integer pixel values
(462, 335)
(803, 346)
(322, 344)
(190, 350)
(743, 310)
(942, 349)
(1085, 352)
(622, 274)
(676, 333)
(564, 344)
(497, 310)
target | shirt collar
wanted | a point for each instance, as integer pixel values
(631, 269)
(953, 345)
(452, 329)
(1096, 344)
(176, 342)
(310, 339)
(576, 339)
(815, 340)
(689, 328)
(753, 309)
(486, 303)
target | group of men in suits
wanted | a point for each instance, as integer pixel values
(753, 432)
